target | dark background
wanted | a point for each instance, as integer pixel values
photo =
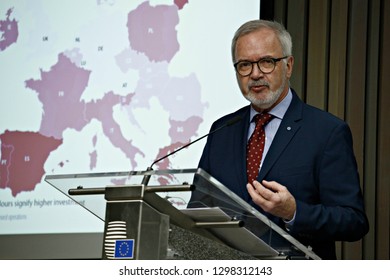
(342, 65)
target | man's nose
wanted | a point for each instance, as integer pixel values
(256, 72)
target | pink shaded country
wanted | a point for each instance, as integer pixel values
(182, 97)
(16, 172)
(60, 91)
(152, 31)
(181, 138)
(180, 3)
(129, 58)
(94, 140)
(182, 131)
(10, 31)
(92, 160)
(102, 110)
(165, 163)
(74, 55)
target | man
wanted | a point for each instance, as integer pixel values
(307, 180)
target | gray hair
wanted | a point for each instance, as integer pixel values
(254, 25)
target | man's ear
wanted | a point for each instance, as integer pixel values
(290, 64)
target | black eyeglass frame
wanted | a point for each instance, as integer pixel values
(273, 59)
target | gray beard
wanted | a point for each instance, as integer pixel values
(269, 100)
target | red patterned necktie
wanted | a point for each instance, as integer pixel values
(255, 146)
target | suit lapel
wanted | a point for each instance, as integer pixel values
(287, 129)
(240, 141)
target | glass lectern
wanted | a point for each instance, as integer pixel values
(160, 220)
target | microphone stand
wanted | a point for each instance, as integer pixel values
(146, 178)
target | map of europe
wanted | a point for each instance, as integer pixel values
(152, 44)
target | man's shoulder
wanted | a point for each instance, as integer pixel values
(314, 114)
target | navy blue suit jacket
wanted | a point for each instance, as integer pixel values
(312, 155)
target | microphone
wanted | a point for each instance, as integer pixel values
(230, 122)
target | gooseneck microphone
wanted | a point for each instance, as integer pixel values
(230, 122)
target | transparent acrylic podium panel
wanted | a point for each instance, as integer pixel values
(209, 202)
(96, 182)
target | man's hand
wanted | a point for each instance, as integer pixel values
(273, 198)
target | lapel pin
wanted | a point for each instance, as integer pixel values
(289, 128)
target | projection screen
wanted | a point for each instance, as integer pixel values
(102, 86)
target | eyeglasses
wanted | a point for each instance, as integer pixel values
(266, 65)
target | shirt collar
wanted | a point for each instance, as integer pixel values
(279, 110)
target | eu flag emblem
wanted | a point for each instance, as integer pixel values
(124, 248)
